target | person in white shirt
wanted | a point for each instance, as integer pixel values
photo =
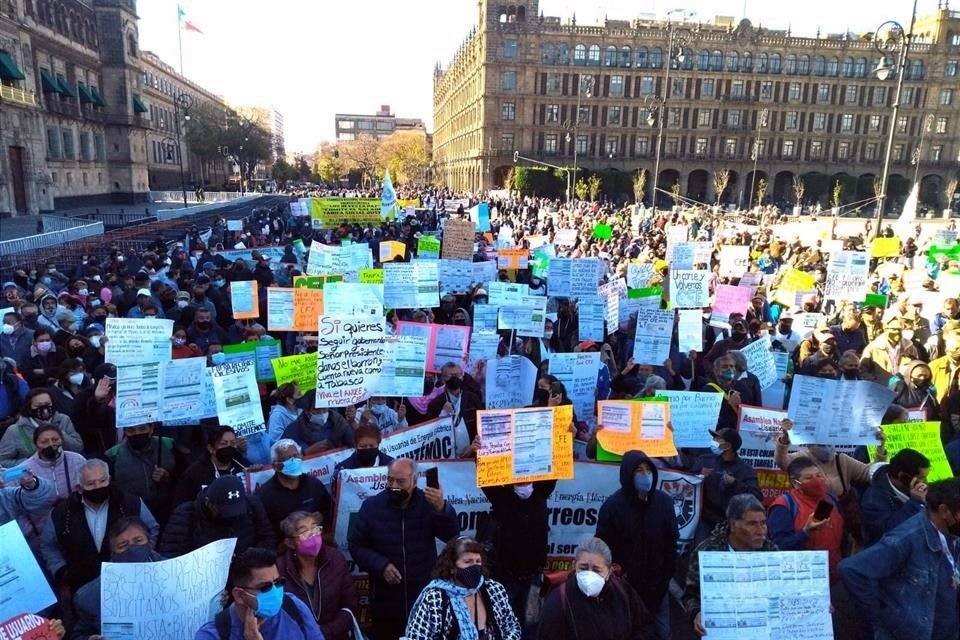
(785, 335)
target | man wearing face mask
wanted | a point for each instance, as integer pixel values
(739, 338)
(724, 377)
(367, 453)
(822, 348)
(785, 335)
(129, 541)
(889, 350)
(16, 340)
(291, 489)
(318, 429)
(73, 540)
(387, 420)
(145, 465)
(906, 584)
(639, 523)
(260, 609)
(458, 402)
(222, 510)
(394, 540)
(897, 491)
(725, 475)
(222, 458)
(205, 331)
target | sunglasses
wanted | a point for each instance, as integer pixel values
(279, 582)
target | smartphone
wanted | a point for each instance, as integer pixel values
(13, 475)
(556, 389)
(823, 510)
(433, 477)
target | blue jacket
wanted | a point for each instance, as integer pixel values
(406, 538)
(880, 508)
(896, 583)
(279, 627)
(17, 501)
(17, 346)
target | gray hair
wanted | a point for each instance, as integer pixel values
(654, 382)
(95, 464)
(288, 526)
(742, 504)
(283, 443)
(739, 360)
(412, 464)
(596, 546)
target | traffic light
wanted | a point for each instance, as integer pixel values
(336, 153)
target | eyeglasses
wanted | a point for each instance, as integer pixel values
(316, 530)
(279, 582)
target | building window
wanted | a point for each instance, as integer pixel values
(791, 119)
(646, 86)
(706, 89)
(733, 61)
(85, 151)
(593, 55)
(506, 142)
(759, 148)
(563, 54)
(384, 126)
(819, 66)
(846, 122)
(704, 118)
(69, 151)
(554, 83)
(550, 144)
(642, 146)
(508, 81)
(766, 91)
(734, 118)
(936, 153)
(851, 95)
(99, 147)
(656, 58)
(823, 93)
(508, 111)
(879, 96)
(950, 68)
(510, 48)
(641, 57)
(364, 124)
(701, 146)
(874, 123)
(941, 126)
(583, 144)
(803, 65)
(553, 113)
(843, 151)
(346, 124)
(673, 117)
(613, 146)
(833, 67)
(946, 97)
(679, 87)
(616, 86)
(614, 115)
(871, 151)
(579, 55)
(788, 148)
(672, 146)
(898, 152)
(902, 124)
(716, 61)
(53, 143)
(775, 63)
(626, 57)
(794, 92)
(610, 59)
(790, 68)
(736, 89)
(816, 149)
(584, 117)
(848, 67)
(819, 121)
(549, 55)
(730, 147)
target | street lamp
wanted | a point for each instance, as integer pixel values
(675, 51)
(183, 102)
(891, 39)
(755, 154)
(584, 87)
(918, 152)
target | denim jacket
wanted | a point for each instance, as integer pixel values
(895, 581)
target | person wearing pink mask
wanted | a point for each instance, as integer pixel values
(318, 574)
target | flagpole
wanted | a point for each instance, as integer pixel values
(180, 39)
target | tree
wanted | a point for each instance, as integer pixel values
(720, 181)
(949, 190)
(283, 172)
(593, 184)
(837, 196)
(761, 191)
(215, 130)
(363, 156)
(581, 189)
(798, 189)
(405, 155)
(675, 193)
(639, 186)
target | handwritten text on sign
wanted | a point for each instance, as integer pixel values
(350, 350)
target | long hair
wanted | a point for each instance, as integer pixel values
(447, 562)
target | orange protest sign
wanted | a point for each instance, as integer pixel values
(636, 425)
(314, 282)
(391, 249)
(245, 299)
(513, 259)
(307, 308)
(543, 434)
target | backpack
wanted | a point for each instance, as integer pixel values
(222, 619)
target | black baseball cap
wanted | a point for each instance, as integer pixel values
(732, 436)
(228, 496)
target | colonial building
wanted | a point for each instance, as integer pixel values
(759, 103)
(82, 108)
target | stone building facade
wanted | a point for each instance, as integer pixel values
(760, 103)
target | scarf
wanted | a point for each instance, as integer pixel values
(468, 629)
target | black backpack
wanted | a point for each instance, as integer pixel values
(222, 619)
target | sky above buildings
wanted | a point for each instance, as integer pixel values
(311, 59)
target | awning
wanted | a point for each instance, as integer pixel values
(9, 69)
(85, 96)
(138, 106)
(48, 82)
(97, 97)
(65, 88)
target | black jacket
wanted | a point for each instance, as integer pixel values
(616, 614)
(469, 403)
(191, 526)
(641, 534)
(279, 502)
(518, 530)
(201, 473)
(880, 508)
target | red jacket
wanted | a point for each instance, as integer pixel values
(827, 538)
(337, 590)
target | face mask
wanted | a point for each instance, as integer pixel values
(133, 553)
(8, 329)
(396, 497)
(51, 453)
(815, 488)
(851, 374)
(319, 419)
(470, 577)
(716, 449)
(44, 347)
(367, 456)
(218, 358)
(182, 304)
(547, 335)
(523, 491)
(83, 292)
(150, 317)
(643, 482)
(226, 454)
(784, 330)
(43, 413)
(269, 603)
(311, 546)
(292, 467)
(907, 334)
(728, 374)
(202, 325)
(378, 409)
(179, 342)
(77, 351)
(95, 341)
(98, 495)
(219, 282)
(590, 583)
(76, 379)
(738, 337)
(822, 453)
(139, 441)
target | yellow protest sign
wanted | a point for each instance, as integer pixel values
(635, 425)
(328, 213)
(307, 308)
(513, 259)
(792, 281)
(314, 282)
(885, 248)
(390, 249)
(919, 436)
(502, 432)
(301, 369)
(371, 276)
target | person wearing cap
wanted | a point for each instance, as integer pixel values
(888, 350)
(850, 332)
(819, 348)
(725, 475)
(222, 510)
(145, 300)
(739, 338)
(784, 335)
(11, 296)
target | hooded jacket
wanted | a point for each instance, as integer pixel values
(641, 533)
(881, 509)
(16, 445)
(910, 397)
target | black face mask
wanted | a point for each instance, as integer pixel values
(98, 495)
(139, 441)
(203, 326)
(738, 337)
(367, 456)
(226, 454)
(470, 577)
(50, 453)
(43, 413)
(397, 497)
(76, 352)
(851, 374)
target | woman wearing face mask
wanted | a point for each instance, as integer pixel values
(460, 603)
(318, 429)
(45, 358)
(367, 453)
(592, 602)
(318, 574)
(539, 349)
(222, 458)
(287, 400)
(71, 380)
(16, 445)
(182, 347)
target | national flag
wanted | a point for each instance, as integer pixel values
(184, 23)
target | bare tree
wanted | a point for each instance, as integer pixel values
(950, 189)
(837, 196)
(363, 155)
(799, 188)
(675, 193)
(639, 186)
(761, 191)
(720, 181)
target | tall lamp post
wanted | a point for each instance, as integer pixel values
(584, 87)
(918, 152)
(890, 40)
(183, 102)
(755, 153)
(675, 51)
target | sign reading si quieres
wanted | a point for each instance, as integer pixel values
(350, 352)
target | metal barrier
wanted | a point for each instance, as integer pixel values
(60, 223)
(119, 220)
(50, 239)
(208, 196)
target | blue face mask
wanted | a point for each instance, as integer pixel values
(716, 449)
(728, 374)
(292, 467)
(218, 358)
(270, 603)
(643, 482)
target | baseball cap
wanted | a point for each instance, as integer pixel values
(202, 279)
(183, 295)
(226, 493)
(9, 285)
(728, 435)
(824, 334)
(143, 292)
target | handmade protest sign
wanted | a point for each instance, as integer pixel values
(578, 373)
(689, 330)
(847, 275)
(885, 248)
(456, 276)
(836, 412)
(443, 342)
(509, 382)
(639, 274)
(792, 281)
(919, 436)
(693, 414)
(138, 394)
(428, 247)
(244, 299)
(237, 397)
(568, 278)
(458, 238)
(527, 318)
(138, 341)
(315, 282)
(300, 369)
(350, 354)
(391, 249)
(348, 298)
(590, 320)
(681, 255)
(729, 299)
(167, 599)
(513, 259)
(688, 289)
(734, 260)
(506, 293)
(280, 303)
(635, 425)
(307, 307)
(524, 445)
(411, 285)
(371, 276)
(759, 428)
(760, 361)
(651, 344)
(24, 589)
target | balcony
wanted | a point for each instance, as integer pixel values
(18, 96)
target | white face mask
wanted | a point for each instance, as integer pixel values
(523, 491)
(547, 335)
(8, 329)
(95, 341)
(377, 409)
(76, 378)
(590, 583)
